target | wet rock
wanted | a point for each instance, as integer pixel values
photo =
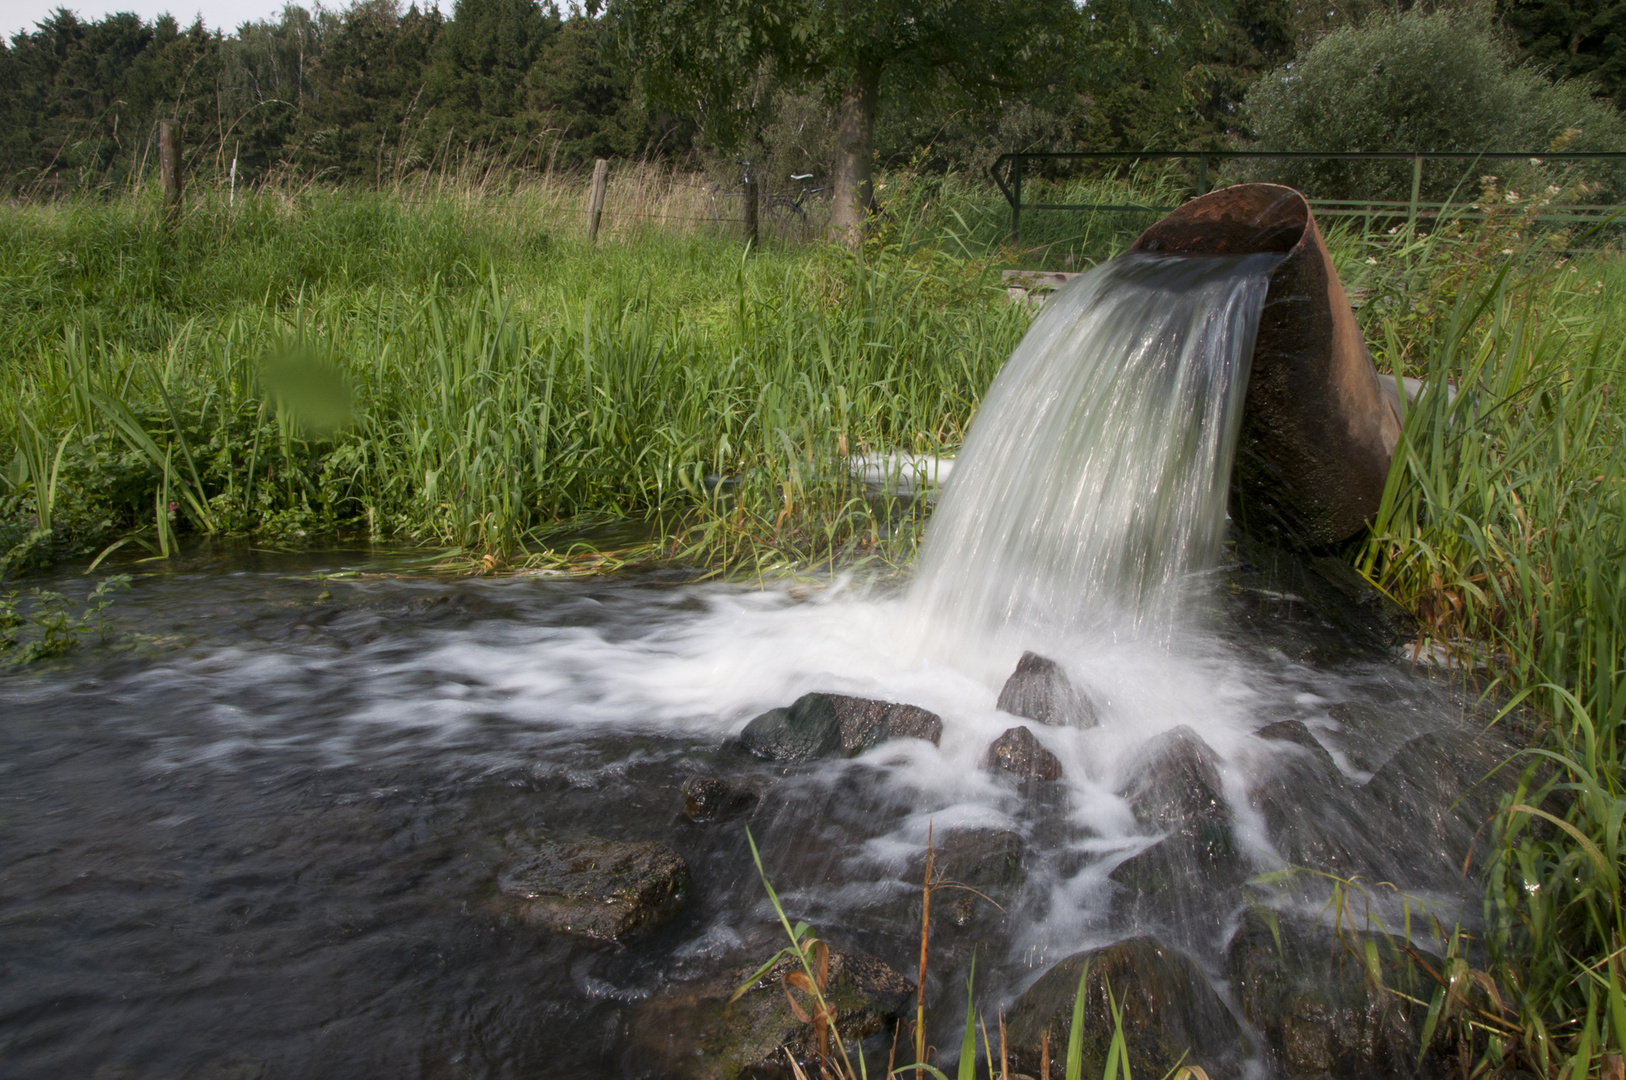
(1307, 993)
(866, 722)
(694, 1034)
(1181, 881)
(1305, 826)
(1174, 784)
(1345, 602)
(1295, 732)
(1436, 791)
(1169, 1009)
(1039, 690)
(987, 860)
(1172, 865)
(1018, 752)
(707, 798)
(823, 725)
(807, 729)
(597, 888)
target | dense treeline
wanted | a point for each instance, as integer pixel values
(373, 91)
(358, 95)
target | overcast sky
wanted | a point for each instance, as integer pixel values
(18, 15)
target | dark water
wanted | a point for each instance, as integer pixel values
(258, 835)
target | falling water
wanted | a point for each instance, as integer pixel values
(1093, 482)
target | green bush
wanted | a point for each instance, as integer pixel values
(1419, 81)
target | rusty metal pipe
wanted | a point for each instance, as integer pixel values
(1319, 426)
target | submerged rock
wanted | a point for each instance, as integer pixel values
(693, 1033)
(1169, 1010)
(1018, 752)
(1307, 992)
(824, 725)
(1040, 690)
(706, 798)
(987, 860)
(597, 888)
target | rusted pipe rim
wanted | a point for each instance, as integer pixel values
(1248, 219)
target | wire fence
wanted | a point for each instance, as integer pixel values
(1308, 171)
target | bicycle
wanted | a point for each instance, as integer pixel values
(788, 204)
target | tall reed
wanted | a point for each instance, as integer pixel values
(1503, 527)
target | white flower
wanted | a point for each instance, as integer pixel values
(1553, 189)
(1371, 261)
(1507, 251)
(1513, 196)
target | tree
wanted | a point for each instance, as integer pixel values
(478, 72)
(1574, 38)
(367, 95)
(709, 58)
(588, 102)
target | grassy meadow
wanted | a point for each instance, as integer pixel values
(454, 365)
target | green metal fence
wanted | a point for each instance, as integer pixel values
(1008, 174)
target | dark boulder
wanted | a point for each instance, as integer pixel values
(1183, 880)
(1040, 690)
(807, 729)
(694, 1034)
(707, 798)
(825, 725)
(1435, 792)
(1174, 784)
(1305, 826)
(1307, 991)
(1018, 752)
(597, 888)
(866, 722)
(1170, 1013)
(1295, 732)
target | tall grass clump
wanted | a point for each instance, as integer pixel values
(467, 372)
(1503, 527)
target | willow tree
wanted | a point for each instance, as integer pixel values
(705, 57)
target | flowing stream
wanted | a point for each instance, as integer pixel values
(258, 835)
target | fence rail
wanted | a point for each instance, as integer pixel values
(1007, 173)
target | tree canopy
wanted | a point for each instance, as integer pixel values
(376, 91)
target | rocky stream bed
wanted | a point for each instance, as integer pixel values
(304, 826)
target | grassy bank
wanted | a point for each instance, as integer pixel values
(1504, 529)
(466, 372)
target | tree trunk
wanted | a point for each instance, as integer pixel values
(855, 141)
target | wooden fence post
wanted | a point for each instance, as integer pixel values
(595, 198)
(751, 211)
(1416, 190)
(169, 165)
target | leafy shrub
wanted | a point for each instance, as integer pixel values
(1419, 81)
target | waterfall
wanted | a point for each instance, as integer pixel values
(1093, 481)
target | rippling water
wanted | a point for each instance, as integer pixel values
(263, 836)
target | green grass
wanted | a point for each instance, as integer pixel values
(1503, 528)
(435, 373)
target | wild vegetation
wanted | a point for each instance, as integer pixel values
(379, 315)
